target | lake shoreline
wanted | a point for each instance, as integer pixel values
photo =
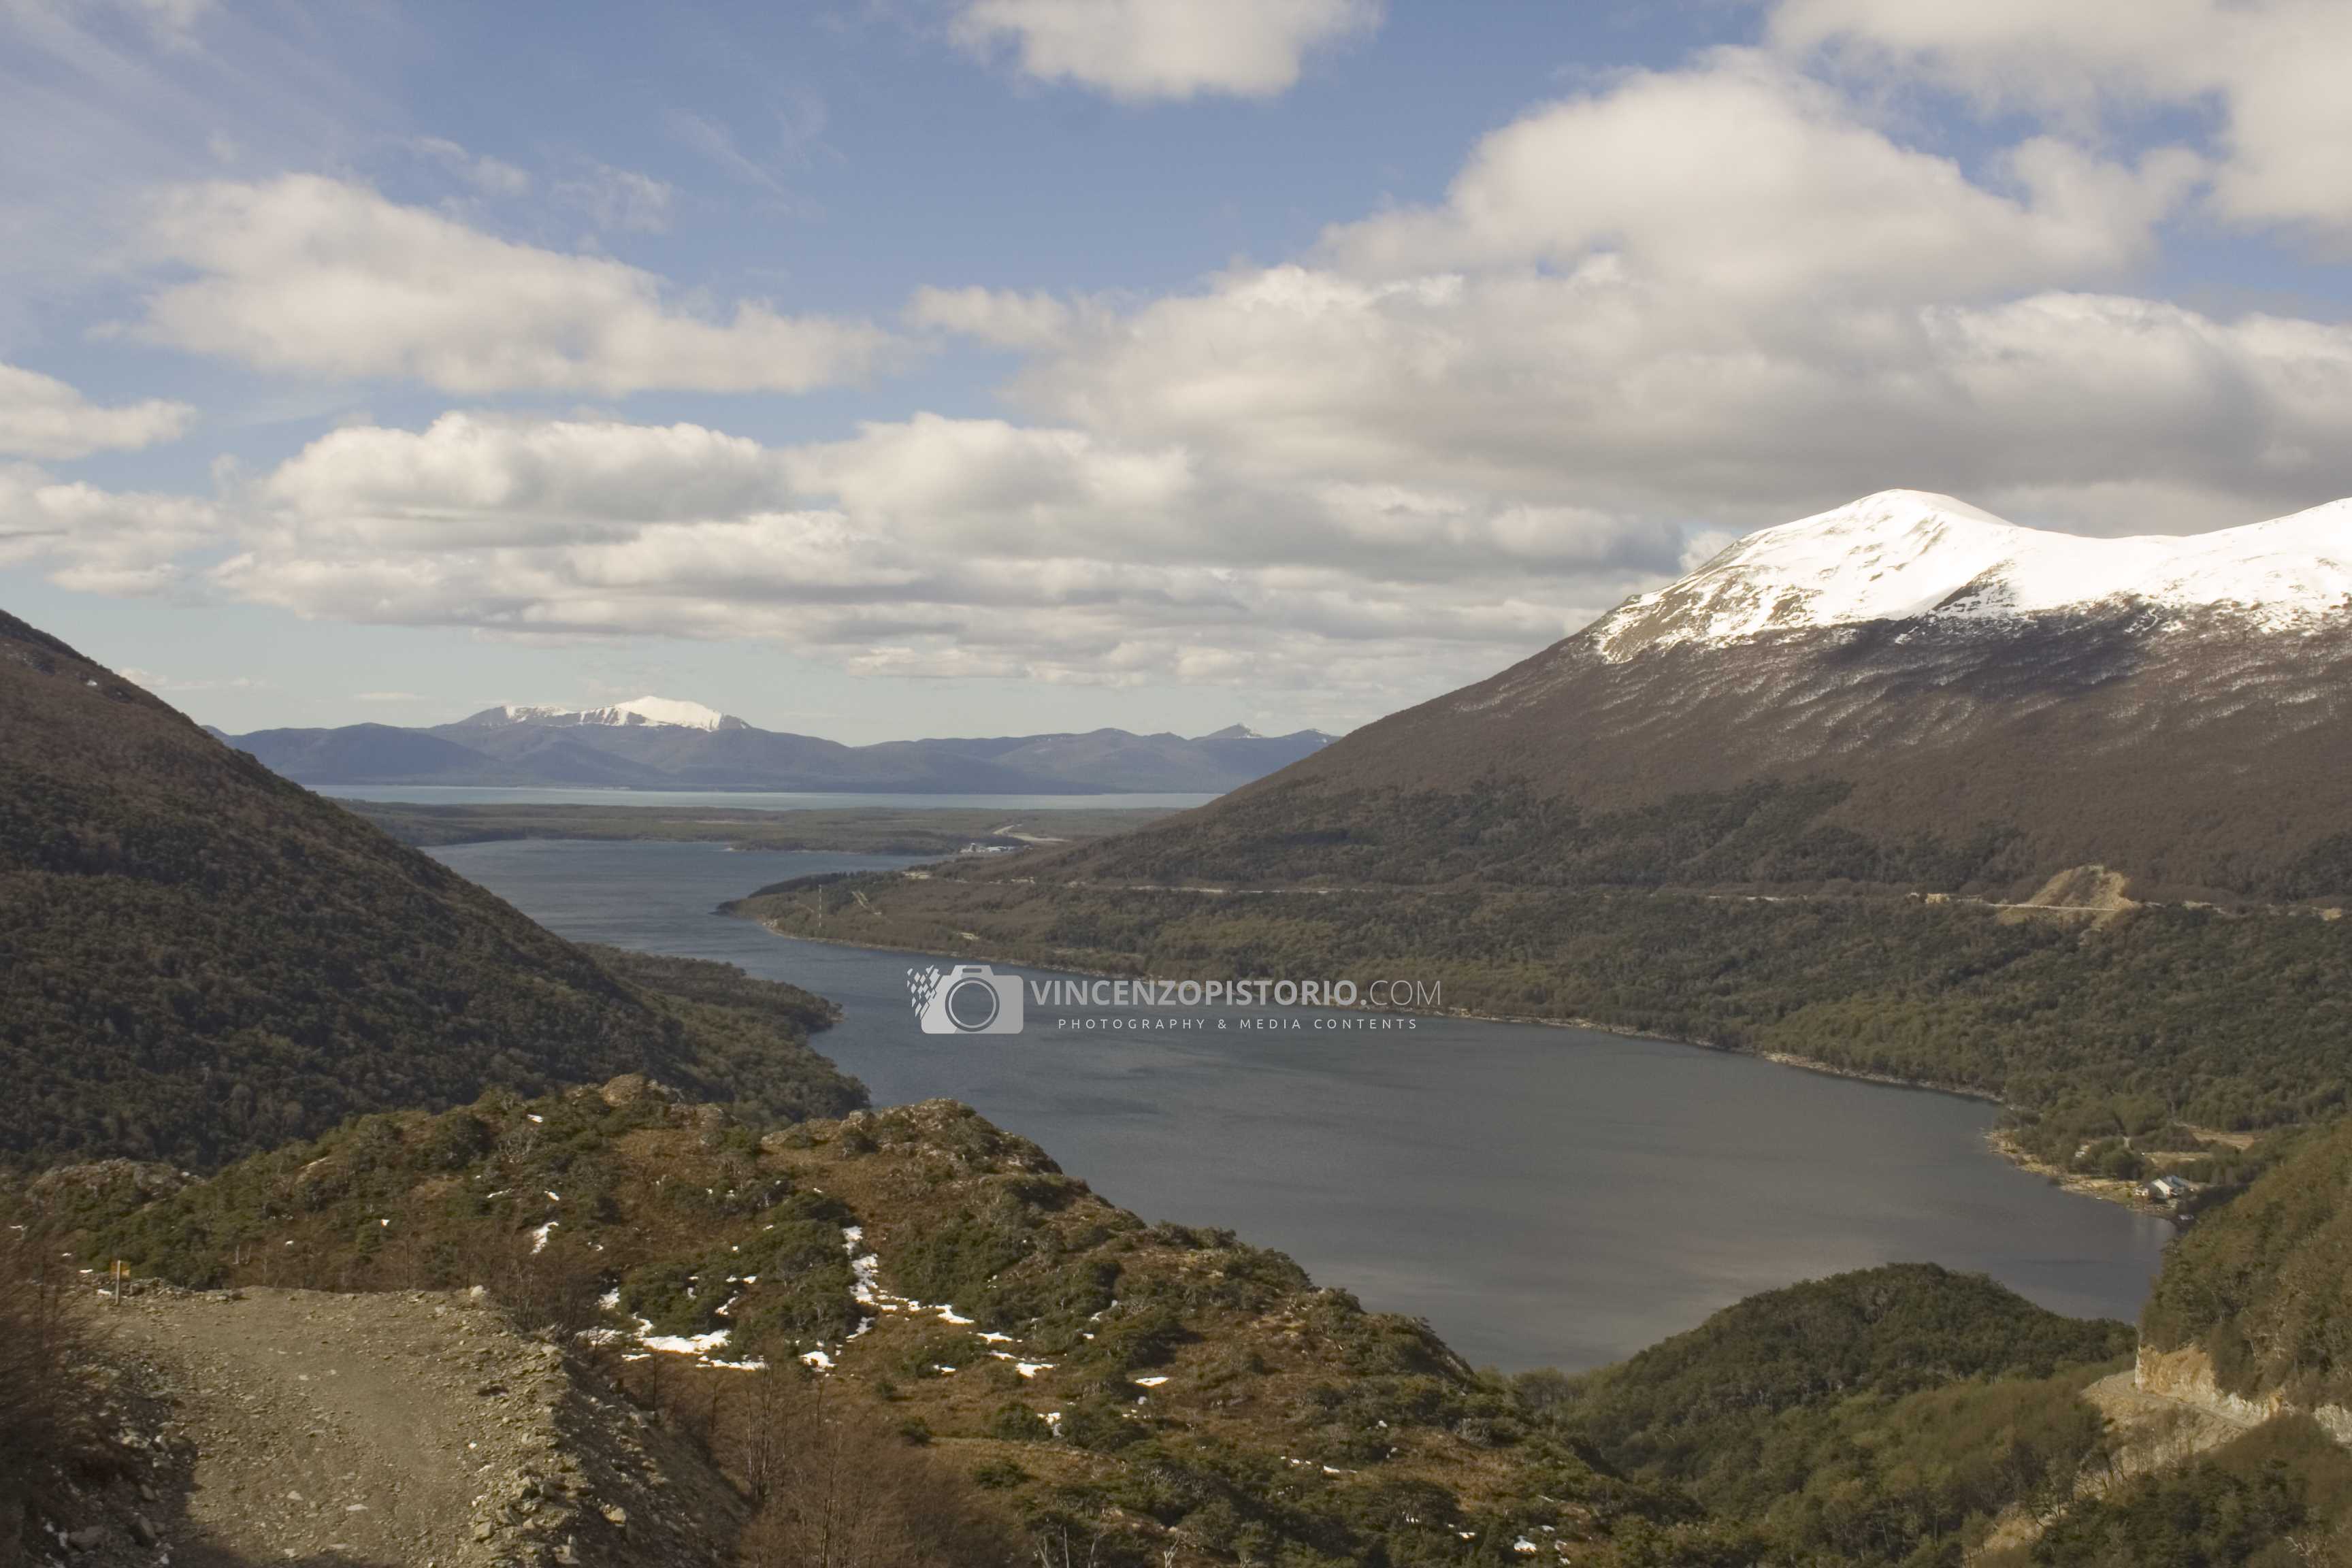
(2122, 1195)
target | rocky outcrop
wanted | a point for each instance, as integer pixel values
(406, 1428)
(2187, 1376)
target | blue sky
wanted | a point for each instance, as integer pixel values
(923, 366)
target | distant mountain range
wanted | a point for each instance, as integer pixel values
(656, 742)
(1905, 690)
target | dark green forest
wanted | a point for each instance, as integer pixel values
(1769, 835)
(2129, 1025)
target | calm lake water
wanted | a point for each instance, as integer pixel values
(1543, 1196)
(740, 799)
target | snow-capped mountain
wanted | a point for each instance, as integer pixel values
(1939, 686)
(655, 711)
(1907, 554)
(658, 743)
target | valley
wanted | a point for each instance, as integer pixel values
(569, 1086)
(1543, 1196)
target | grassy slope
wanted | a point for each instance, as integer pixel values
(198, 959)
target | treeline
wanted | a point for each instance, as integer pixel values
(2130, 1027)
(1769, 834)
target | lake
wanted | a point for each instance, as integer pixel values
(739, 799)
(1544, 1197)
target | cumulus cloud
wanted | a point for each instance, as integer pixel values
(97, 541)
(927, 546)
(482, 479)
(1755, 184)
(2271, 68)
(1719, 298)
(1640, 320)
(1144, 49)
(41, 416)
(327, 278)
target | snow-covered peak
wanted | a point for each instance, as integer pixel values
(637, 710)
(1903, 554)
(657, 710)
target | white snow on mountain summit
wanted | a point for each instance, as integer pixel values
(637, 710)
(1904, 554)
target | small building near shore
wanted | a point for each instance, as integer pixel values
(2169, 1189)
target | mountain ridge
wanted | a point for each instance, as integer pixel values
(2203, 750)
(650, 711)
(1908, 554)
(199, 959)
(654, 743)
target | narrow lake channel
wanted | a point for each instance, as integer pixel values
(1543, 1196)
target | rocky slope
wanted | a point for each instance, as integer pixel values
(2252, 1315)
(394, 1429)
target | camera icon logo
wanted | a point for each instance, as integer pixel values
(969, 999)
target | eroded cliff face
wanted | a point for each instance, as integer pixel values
(2187, 1376)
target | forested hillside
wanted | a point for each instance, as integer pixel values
(199, 959)
(2093, 1028)
(1016, 1370)
(2263, 1286)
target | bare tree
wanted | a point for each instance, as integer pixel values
(842, 1492)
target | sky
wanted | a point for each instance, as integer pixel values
(886, 368)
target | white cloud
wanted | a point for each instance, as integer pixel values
(1755, 184)
(41, 416)
(1716, 299)
(930, 546)
(312, 275)
(482, 479)
(2273, 68)
(97, 541)
(1640, 320)
(1144, 49)
(617, 200)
